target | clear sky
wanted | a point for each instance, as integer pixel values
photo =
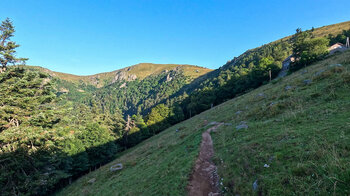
(91, 36)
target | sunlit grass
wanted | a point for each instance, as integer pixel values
(302, 134)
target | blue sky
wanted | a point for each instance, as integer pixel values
(91, 36)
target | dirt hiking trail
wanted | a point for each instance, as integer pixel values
(204, 179)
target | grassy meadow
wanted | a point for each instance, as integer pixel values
(297, 142)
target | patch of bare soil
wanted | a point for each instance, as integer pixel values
(204, 179)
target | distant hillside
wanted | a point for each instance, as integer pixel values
(139, 71)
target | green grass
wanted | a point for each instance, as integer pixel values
(304, 136)
(159, 166)
(326, 30)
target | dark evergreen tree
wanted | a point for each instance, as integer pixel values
(8, 47)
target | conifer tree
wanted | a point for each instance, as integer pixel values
(8, 47)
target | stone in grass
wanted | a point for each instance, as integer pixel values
(238, 112)
(304, 71)
(213, 123)
(336, 65)
(243, 125)
(308, 81)
(92, 180)
(266, 165)
(319, 72)
(255, 185)
(116, 167)
(261, 95)
(288, 88)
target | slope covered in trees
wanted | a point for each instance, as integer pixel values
(42, 140)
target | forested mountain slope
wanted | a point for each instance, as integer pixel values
(295, 142)
(130, 91)
(44, 140)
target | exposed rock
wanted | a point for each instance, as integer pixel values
(92, 180)
(266, 165)
(168, 78)
(319, 72)
(304, 71)
(238, 112)
(308, 81)
(123, 85)
(255, 185)
(132, 77)
(116, 167)
(122, 75)
(288, 88)
(64, 90)
(44, 82)
(242, 125)
(336, 65)
(213, 123)
(261, 95)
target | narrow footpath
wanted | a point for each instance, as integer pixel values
(204, 179)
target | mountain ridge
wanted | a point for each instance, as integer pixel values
(140, 70)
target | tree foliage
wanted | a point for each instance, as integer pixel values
(7, 47)
(307, 49)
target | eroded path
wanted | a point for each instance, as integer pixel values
(204, 179)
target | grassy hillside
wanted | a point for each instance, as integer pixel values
(298, 126)
(141, 71)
